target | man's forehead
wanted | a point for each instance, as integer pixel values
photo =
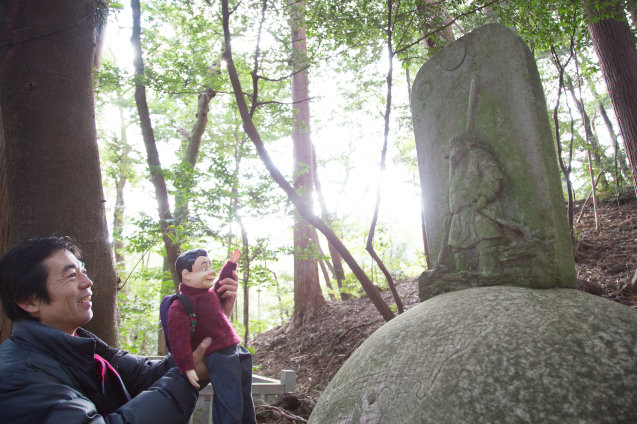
(62, 260)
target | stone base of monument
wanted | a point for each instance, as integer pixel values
(441, 280)
(493, 355)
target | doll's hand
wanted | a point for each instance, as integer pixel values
(192, 377)
(235, 256)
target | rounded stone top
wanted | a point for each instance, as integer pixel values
(493, 355)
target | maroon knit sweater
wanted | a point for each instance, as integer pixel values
(211, 322)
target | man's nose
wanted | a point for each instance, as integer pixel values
(86, 282)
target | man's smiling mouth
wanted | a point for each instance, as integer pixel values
(85, 299)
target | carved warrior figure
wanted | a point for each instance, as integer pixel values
(476, 184)
(473, 227)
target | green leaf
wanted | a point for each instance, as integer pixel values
(116, 6)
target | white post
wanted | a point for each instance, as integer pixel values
(288, 379)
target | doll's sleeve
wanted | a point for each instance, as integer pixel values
(179, 336)
(226, 272)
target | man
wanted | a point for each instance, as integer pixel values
(52, 371)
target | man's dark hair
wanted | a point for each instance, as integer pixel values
(23, 273)
(186, 259)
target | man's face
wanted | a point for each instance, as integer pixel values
(70, 293)
(202, 276)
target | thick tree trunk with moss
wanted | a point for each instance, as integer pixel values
(52, 162)
(307, 289)
(615, 47)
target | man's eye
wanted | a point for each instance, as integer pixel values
(84, 272)
(204, 269)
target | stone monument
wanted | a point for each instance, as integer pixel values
(501, 336)
(493, 200)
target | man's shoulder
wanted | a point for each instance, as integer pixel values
(19, 358)
(12, 355)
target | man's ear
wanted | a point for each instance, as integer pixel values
(184, 274)
(31, 305)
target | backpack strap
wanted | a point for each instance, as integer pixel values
(190, 309)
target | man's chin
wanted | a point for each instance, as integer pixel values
(89, 317)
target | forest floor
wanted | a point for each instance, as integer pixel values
(606, 262)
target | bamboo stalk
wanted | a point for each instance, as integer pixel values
(590, 168)
(589, 195)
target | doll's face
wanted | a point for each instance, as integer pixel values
(202, 276)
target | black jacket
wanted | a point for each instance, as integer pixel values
(47, 376)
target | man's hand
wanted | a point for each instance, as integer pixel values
(201, 369)
(228, 290)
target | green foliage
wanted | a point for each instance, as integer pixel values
(139, 311)
(349, 43)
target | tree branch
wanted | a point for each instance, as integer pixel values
(400, 50)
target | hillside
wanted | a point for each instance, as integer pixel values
(606, 264)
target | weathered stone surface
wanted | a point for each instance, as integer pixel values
(491, 187)
(493, 355)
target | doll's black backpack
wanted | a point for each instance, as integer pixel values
(163, 313)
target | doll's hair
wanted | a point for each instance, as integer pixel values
(186, 259)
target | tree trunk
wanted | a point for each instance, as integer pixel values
(6, 325)
(246, 286)
(278, 294)
(615, 47)
(440, 18)
(53, 170)
(619, 156)
(596, 151)
(372, 228)
(339, 273)
(327, 279)
(192, 152)
(154, 165)
(118, 213)
(337, 267)
(307, 289)
(293, 196)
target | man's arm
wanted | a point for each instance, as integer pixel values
(37, 397)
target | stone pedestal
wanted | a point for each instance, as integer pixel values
(493, 355)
